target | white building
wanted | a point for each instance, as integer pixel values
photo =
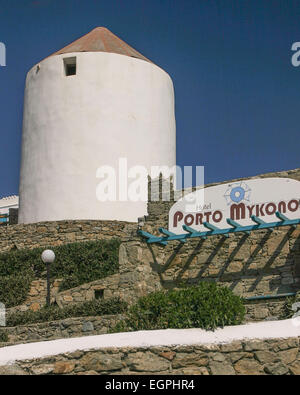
(86, 106)
(5, 204)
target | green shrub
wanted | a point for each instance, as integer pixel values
(206, 306)
(52, 313)
(3, 336)
(20, 261)
(76, 263)
(14, 288)
(80, 263)
(69, 282)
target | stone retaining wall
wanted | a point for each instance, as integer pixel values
(265, 310)
(36, 297)
(262, 263)
(256, 357)
(139, 274)
(87, 292)
(271, 266)
(47, 234)
(83, 326)
(248, 269)
(69, 327)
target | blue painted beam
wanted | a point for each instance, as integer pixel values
(257, 220)
(145, 234)
(168, 233)
(151, 238)
(235, 228)
(191, 231)
(283, 218)
(213, 228)
(260, 222)
(264, 297)
(236, 225)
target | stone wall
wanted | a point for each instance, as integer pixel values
(84, 326)
(69, 327)
(87, 292)
(262, 263)
(265, 310)
(104, 288)
(255, 357)
(36, 297)
(139, 275)
(50, 234)
(136, 278)
(109, 287)
(257, 264)
(270, 266)
(47, 234)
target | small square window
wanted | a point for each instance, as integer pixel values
(99, 293)
(70, 66)
(71, 69)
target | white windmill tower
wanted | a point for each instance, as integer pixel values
(86, 106)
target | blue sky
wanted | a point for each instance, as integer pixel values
(237, 93)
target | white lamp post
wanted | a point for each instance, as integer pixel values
(48, 257)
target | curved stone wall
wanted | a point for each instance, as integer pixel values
(67, 328)
(252, 357)
(45, 234)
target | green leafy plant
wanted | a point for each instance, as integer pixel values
(14, 288)
(206, 306)
(79, 263)
(52, 313)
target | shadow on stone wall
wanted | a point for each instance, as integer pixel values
(261, 263)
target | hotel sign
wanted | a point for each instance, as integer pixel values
(238, 201)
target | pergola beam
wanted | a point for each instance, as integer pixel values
(213, 230)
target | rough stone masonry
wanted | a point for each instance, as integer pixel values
(261, 263)
(252, 357)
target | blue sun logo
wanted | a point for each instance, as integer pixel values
(237, 192)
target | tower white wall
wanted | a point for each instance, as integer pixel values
(115, 106)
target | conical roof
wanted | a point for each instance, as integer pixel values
(101, 39)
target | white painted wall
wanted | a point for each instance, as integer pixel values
(284, 329)
(6, 203)
(115, 106)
